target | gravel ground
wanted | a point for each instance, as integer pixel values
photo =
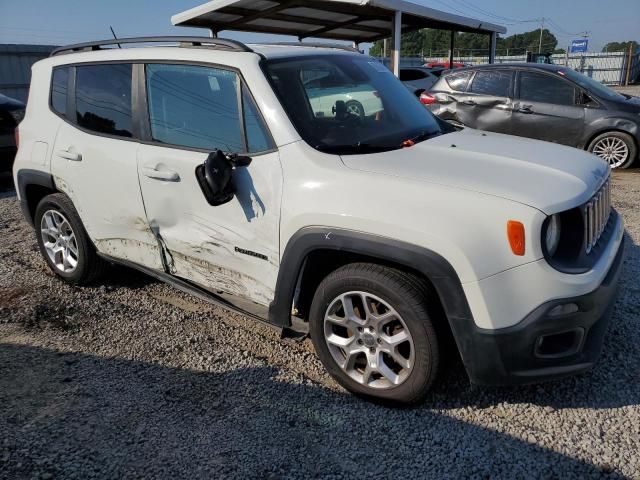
(134, 379)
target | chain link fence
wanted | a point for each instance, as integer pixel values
(610, 68)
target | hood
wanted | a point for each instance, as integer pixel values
(546, 176)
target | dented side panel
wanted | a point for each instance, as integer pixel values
(230, 248)
(103, 185)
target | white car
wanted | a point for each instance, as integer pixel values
(379, 235)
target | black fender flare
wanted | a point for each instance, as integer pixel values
(430, 264)
(27, 177)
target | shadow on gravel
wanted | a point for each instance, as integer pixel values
(70, 415)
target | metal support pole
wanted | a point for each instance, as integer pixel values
(397, 35)
(451, 47)
(629, 62)
(493, 40)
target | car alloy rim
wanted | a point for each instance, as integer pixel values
(613, 150)
(369, 340)
(59, 241)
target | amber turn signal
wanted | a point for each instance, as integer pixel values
(515, 234)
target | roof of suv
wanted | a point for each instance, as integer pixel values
(540, 66)
(271, 50)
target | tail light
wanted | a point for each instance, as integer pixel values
(427, 99)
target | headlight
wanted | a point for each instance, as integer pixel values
(17, 115)
(552, 235)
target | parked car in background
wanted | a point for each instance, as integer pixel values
(545, 102)
(418, 79)
(446, 65)
(11, 114)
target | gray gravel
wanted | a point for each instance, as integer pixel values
(134, 379)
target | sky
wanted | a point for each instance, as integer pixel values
(59, 22)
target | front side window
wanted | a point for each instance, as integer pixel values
(349, 104)
(538, 87)
(103, 98)
(59, 83)
(496, 83)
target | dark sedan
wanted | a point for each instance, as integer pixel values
(419, 79)
(11, 114)
(546, 102)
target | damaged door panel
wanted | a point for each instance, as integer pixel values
(487, 104)
(94, 164)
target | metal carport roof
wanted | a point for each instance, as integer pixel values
(354, 20)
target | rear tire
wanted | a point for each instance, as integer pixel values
(618, 149)
(64, 243)
(387, 349)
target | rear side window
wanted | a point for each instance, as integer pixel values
(198, 107)
(538, 87)
(103, 98)
(59, 84)
(458, 81)
(492, 82)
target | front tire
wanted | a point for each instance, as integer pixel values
(618, 149)
(372, 329)
(64, 243)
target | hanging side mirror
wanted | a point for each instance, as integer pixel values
(215, 176)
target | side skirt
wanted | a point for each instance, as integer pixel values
(201, 293)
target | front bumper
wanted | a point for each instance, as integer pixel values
(543, 346)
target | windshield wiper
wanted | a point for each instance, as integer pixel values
(356, 148)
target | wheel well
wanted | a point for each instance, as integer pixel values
(320, 263)
(608, 130)
(33, 194)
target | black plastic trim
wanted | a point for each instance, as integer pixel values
(310, 239)
(26, 177)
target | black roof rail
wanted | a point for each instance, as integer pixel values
(311, 45)
(222, 43)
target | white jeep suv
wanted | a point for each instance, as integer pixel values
(380, 233)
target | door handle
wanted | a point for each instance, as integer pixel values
(73, 156)
(525, 109)
(166, 175)
(469, 102)
(503, 106)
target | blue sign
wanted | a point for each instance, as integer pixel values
(579, 46)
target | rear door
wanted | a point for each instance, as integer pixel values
(94, 158)
(230, 249)
(547, 109)
(487, 103)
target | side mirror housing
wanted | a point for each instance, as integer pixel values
(215, 176)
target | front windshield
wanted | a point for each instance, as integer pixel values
(591, 85)
(349, 104)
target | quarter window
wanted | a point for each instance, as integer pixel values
(492, 82)
(103, 98)
(538, 87)
(59, 84)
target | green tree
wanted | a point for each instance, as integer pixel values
(621, 46)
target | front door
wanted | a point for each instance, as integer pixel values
(230, 249)
(546, 109)
(94, 159)
(487, 104)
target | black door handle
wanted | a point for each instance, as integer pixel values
(469, 102)
(525, 109)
